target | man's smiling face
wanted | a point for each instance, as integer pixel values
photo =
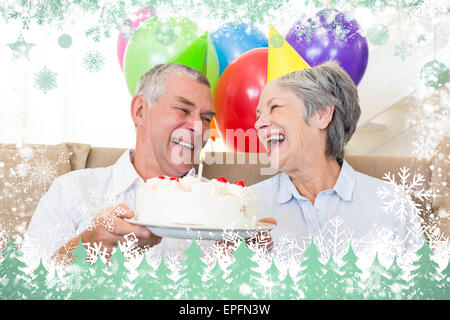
(177, 123)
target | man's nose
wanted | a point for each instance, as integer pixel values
(196, 126)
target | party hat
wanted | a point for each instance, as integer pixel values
(195, 55)
(283, 59)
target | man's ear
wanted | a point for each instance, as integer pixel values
(138, 106)
(324, 116)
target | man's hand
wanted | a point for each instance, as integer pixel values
(108, 228)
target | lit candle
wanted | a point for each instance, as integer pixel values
(200, 166)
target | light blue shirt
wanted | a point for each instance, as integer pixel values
(350, 211)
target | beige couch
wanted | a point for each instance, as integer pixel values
(26, 174)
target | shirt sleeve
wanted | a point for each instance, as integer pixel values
(51, 226)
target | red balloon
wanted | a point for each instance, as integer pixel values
(236, 98)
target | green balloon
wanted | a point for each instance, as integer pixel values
(176, 39)
(212, 66)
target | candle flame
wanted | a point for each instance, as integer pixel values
(202, 155)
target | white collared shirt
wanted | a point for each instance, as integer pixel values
(68, 207)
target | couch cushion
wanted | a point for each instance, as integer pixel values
(26, 173)
(103, 157)
(78, 155)
(378, 166)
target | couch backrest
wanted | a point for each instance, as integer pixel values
(253, 168)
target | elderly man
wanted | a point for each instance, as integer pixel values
(171, 110)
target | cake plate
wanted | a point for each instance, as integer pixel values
(202, 232)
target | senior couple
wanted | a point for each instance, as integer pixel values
(305, 118)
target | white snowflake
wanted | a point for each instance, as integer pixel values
(3, 238)
(43, 172)
(130, 250)
(99, 208)
(399, 197)
(95, 251)
(333, 239)
(287, 253)
(173, 260)
(424, 147)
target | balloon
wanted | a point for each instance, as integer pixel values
(231, 40)
(212, 65)
(132, 23)
(175, 39)
(330, 35)
(236, 98)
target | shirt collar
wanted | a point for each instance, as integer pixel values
(286, 189)
(124, 174)
(346, 181)
(344, 185)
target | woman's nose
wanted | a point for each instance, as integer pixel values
(261, 123)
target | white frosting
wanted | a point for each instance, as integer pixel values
(191, 202)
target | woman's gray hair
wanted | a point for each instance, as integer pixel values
(322, 86)
(152, 85)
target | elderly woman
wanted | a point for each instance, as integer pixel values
(305, 119)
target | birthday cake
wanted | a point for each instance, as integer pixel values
(189, 201)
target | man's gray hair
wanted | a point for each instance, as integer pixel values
(325, 85)
(152, 85)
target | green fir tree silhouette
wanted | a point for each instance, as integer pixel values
(272, 275)
(378, 284)
(312, 275)
(243, 279)
(289, 290)
(166, 287)
(58, 288)
(100, 288)
(145, 282)
(334, 290)
(351, 276)
(216, 286)
(79, 273)
(424, 282)
(119, 282)
(399, 285)
(15, 282)
(191, 280)
(39, 284)
(444, 283)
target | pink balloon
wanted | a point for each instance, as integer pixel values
(134, 22)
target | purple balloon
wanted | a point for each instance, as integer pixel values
(330, 36)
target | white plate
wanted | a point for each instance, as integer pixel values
(203, 233)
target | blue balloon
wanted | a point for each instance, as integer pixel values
(231, 40)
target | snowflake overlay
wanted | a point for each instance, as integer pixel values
(93, 61)
(400, 196)
(45, 80)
